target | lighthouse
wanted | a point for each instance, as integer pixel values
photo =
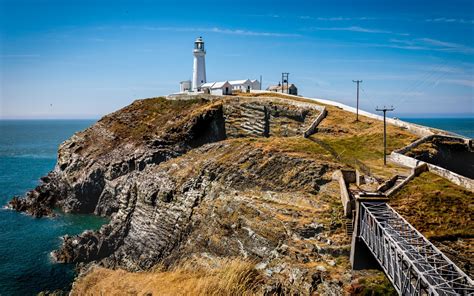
(199, 65)
(200, 85)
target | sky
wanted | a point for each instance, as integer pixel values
(84, 59)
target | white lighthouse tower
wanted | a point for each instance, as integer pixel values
(199, 66)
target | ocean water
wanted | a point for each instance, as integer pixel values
(27, 152)
(461, 126)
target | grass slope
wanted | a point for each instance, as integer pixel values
(196, 277)
(436, 207)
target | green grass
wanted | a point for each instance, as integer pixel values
(436, 207)
(376, 285)
(364, 152)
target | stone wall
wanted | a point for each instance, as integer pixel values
(407, 161)
(400, 158)
(312, 129)
(345, 177)
(452, 176)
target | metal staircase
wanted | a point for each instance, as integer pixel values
(412, 263)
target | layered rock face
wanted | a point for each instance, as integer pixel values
(266, 118)
(92, 163)
(199, 178)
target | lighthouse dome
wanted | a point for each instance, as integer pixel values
(199, 45)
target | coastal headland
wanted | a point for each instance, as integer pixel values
(236, 195)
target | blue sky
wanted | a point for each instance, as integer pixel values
(84, 59)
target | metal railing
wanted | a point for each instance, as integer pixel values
(413, 264)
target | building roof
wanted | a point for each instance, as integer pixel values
(215, 85)
(220, 84)
(239, 82)
(207, 85)
(279, 87)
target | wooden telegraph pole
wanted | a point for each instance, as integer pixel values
(357, 110)
(284, 81)
(384, 110)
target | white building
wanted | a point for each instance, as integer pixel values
(199, 65)
(199, 83)
(241, 85)
(185, 86)
(217, 88)
(256, 84)
(245, 85)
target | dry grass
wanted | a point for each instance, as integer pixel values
(358, 144)
(143, 117)
(132, 124)
(294, 146)
(282, 96)
(195, 277)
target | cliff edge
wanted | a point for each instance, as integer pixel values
(215, 181)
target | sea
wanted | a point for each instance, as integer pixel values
(28, 150)
(460, 126)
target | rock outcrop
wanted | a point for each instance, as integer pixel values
(212, 179)
(200, 178)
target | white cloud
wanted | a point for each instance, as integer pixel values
(351, 29)
(222, 31)
(357, 29)
(272, 15)
(337, 18)
(428, 44)
(450, 20)
(448, 46)
(464, 82)
(19, 56)
(442, 68)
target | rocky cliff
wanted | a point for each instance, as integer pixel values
(202, 177)
(225, 190)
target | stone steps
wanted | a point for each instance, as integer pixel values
(349, 226)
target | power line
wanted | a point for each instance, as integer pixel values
(426, 76)
(434, 75)
(368, 97)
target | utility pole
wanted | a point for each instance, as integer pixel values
(357, 112)
(261, 85)
(384, 110)
(284, 80)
